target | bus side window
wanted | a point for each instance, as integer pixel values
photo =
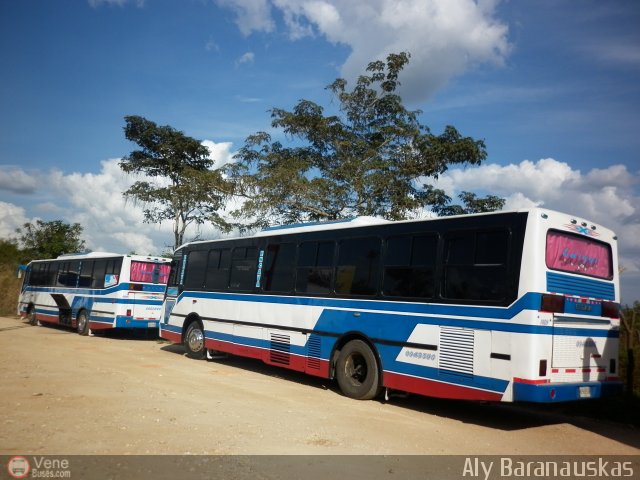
(314, 272)
(218, 269)
(358, 266)
(99, 269)
(279, 267)
(196, 268)
(72, 274)
(475, 265)
(34, 279)
(244, 263)
(409, 266)
(49, 277)
(86, 271)
(61, 276)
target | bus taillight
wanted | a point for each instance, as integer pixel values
(610, 309)
(552, 303)
(542, 369)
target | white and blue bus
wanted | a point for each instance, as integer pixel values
(507, 306)
(95, 291)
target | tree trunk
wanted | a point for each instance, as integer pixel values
(631, 363)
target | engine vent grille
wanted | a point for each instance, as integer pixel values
(280, 349)
(456, 351)
(313, 352)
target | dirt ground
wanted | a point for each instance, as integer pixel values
(121, 394)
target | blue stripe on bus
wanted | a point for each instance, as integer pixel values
(93, 291)
(583, 287)
(530, 301)
(395, 327)
(127, 301)
(391, 324)
(171, 328)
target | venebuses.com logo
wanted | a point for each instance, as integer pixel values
(18, 467)
(38, 467)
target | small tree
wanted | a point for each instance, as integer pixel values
(183, 188)
(630, 319)
(10, 253)
(370, 158)
(441, 203)
(50, 239)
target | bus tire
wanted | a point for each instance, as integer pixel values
(194, 341)
(31, 316)
(357, 371)
(82, 323)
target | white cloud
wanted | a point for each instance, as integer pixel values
(17, 180)
(251, 15)
(445, 37)
(11, 217)
(247, 57)
(220, 153)
(119, 3)
(95, 200)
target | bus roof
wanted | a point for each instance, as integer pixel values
(94, 255)
(369, 221)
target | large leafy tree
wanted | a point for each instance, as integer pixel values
(49, 239)
(371, 157)
(181, 185)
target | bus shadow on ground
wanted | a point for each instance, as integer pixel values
(128, 334)
(499, 416)
(114, 334)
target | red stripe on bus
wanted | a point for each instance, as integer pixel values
(432, 388)
(100, 326)
(531, 382)
(171, 336)
(313, 366)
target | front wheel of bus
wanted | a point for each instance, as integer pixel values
(31, 316)
(357, 371)
(82, 322)
(194, 341)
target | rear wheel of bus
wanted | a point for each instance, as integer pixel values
(357, 371)
(194, 340)
(82, 323)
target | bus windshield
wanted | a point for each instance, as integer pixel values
(574, 254)
(149, 272)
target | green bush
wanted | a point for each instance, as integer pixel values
(10, 288)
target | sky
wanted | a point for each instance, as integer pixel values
(552, 86)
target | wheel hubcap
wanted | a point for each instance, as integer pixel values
(196, 340)
(82, 320)
(356, 369)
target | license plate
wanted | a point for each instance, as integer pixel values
(153, 324)
(584, 392)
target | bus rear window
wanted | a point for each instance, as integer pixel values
(149, 272)
(574, 254)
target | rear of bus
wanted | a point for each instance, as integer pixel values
(569, 276)
(142, 303)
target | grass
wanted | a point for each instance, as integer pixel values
(10, 289)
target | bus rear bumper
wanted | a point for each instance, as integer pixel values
(129, 322)
(564, 392)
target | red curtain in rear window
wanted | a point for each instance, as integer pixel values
(143, 272)
(578, 255)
